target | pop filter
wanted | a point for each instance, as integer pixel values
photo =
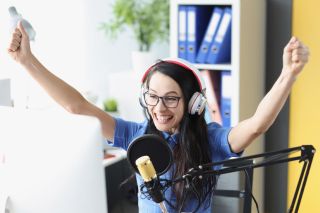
(153, 146)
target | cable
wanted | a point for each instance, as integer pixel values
(183, 200)
(195, 192)
(250, 190)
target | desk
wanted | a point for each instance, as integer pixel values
(119, 154)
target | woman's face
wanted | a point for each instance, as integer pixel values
(168, 111)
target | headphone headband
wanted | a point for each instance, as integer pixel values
(183, 63)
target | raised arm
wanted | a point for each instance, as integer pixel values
(60, 91)
(295, 56)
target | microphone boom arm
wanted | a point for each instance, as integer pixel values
(246, 163)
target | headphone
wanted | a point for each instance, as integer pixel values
(198, 100)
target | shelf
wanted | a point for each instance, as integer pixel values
(247, 65)
(203, 2)
(213, 66)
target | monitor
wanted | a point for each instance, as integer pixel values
(51, 161)
(5, 92)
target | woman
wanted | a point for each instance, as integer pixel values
(166, 97)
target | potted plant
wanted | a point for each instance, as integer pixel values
(148, 19)
(110, 105)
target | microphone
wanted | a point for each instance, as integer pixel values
(15, 18)
(149, 176)
(139, 153)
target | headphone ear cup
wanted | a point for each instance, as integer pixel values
(203, 104)
(197, 103)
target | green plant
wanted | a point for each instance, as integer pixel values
(110, 105)
(149, 20)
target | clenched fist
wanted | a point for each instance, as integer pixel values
(295, 56)
(19, 47)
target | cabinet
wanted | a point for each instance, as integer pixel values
(247, 65)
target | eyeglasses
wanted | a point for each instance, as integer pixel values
(168, 101)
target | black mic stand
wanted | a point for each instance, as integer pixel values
(248, 163)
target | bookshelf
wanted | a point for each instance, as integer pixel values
(247, 65)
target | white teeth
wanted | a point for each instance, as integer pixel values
(163, 119)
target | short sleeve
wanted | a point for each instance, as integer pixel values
(126, 131)
(219, 143)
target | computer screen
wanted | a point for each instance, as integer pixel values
(5, 92)
(51, 161)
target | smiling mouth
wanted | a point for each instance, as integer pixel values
(163, 119)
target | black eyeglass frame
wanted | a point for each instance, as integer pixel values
(162, 99)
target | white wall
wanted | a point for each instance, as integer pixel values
(105, 55)
(69, 44)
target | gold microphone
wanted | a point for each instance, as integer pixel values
(149, 176)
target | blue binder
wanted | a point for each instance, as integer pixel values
(182, 32)
(197, 21)
(209, 35)
(220, 49)
(226, 91)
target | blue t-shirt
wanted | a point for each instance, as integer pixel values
(126, 132)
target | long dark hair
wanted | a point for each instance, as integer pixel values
(192, 148)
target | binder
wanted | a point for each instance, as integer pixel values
(209, 35)
(197, 21)
(220, 49)
(212, 80)
(226, 91)
(182, 32)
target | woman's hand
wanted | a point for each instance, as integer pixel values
(19, 48)
(295, 56)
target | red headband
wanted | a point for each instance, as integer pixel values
(183, 64)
